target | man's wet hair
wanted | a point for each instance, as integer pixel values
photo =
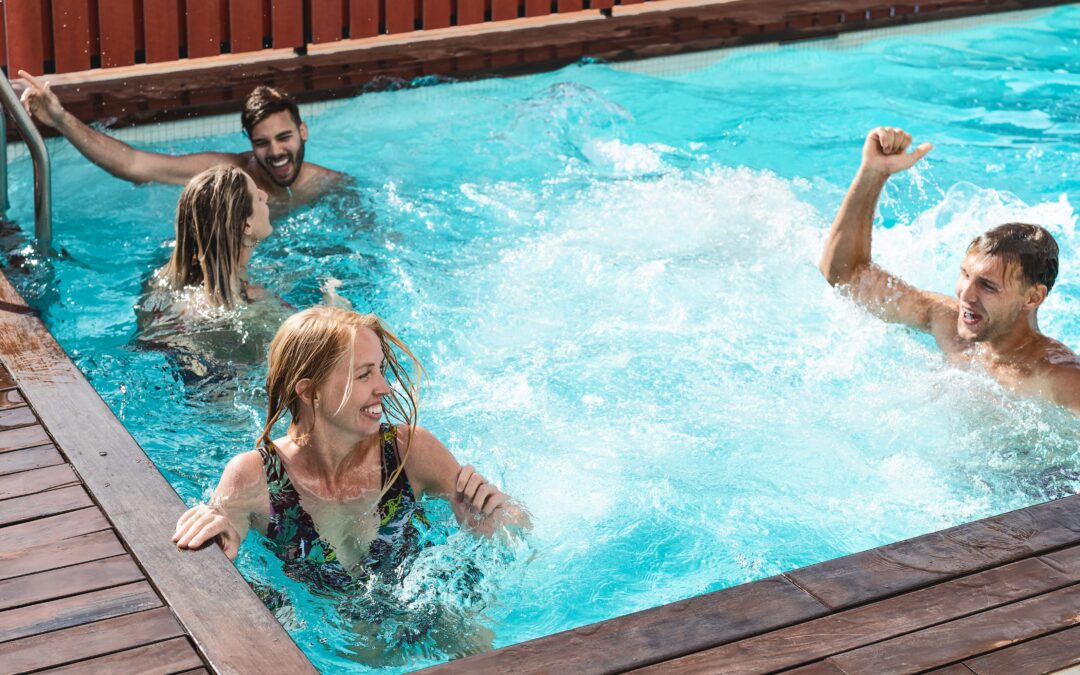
(266, 101)
(1030, 246)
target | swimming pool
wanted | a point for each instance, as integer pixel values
(611, 275)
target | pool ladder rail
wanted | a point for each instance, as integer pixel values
(40, 156)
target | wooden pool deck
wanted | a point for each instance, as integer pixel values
(999, 596)
(89, 580)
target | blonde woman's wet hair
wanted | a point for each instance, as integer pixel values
(210, 218)
(312, 343)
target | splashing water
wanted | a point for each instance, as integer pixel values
(611, 278)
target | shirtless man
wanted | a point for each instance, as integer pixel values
(1004, 277)
(270, 119)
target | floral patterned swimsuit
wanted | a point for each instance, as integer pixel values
(294, 539)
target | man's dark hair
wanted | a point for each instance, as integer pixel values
(266, 101)
(1031, 246)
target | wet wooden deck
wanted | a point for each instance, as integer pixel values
(89, 580)
(999, 596)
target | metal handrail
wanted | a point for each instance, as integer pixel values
(42, 169)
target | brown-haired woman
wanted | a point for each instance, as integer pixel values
(338, 495)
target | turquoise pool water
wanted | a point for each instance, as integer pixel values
(611, 277)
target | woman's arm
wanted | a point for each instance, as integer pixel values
(477, 504)
(240, 494)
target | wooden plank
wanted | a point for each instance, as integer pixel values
(195, 671)
(162, 658)
(964, 638)
(537, 7)
(204, 33)
(436, 14)
(601, 4)
(934, 557)
(843, 631)
(25, 43)
(3, 42)
(16, 417)
(364, 18)
(245, 26)
(287, 22)
(89, 640)
(37, 480)
(326, 21)
(819, 668)
(6, 379)
(71, 35)
(504, 9)
(30, 559)
(470, 12)
(77, 610)
(571, 5)
(29, 458)
(43, 504)
(51, 530)
(1051, 653)
(954, 669)
(162, 23)
(400, 16)
(24, 437)
(116, 23)
(655, 635)
(10, 398)
(91, 576)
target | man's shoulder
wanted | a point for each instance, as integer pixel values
(1061, 374)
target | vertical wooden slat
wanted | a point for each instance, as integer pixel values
(504, 9)
(364, 18)
(400, 16)
(571, 5)
(602, 4)
(3, 39)
(161, 24)
(203, 27)
(436, 14)
(287, 21)
(632, 2)
(245, 26)
(116, 19)
(71, 35)
(470, 11)
(537, 7)
(326, 21)
(25, 45)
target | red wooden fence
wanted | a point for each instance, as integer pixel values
(59, 36)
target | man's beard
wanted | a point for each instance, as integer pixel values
(297, 163)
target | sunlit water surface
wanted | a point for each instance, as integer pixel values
(611, 278)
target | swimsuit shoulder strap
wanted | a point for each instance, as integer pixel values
(390, 462)
(278, 483)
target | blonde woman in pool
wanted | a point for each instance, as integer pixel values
(194, 302)
(338, 495)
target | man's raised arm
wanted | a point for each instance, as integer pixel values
(846, 259)
(116, 157)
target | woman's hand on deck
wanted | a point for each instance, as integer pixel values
(203, 523)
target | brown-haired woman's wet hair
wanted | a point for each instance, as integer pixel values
(263, 102)
(312, 343)
(210, 218)
(1031, 247)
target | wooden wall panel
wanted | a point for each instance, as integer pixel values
(436, 14)
(365, 17)
(71, 35)
(400, 16)
(245, 26)
(116, 20)
(504, 9)
(602, 4)
(3, 38)
(162, 23)
(204, 29)
(287, 23)
(470, 11)
(326, 21)
(571, 5)
(537, 7)
(25, 45)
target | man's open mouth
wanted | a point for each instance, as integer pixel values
(969, 318)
